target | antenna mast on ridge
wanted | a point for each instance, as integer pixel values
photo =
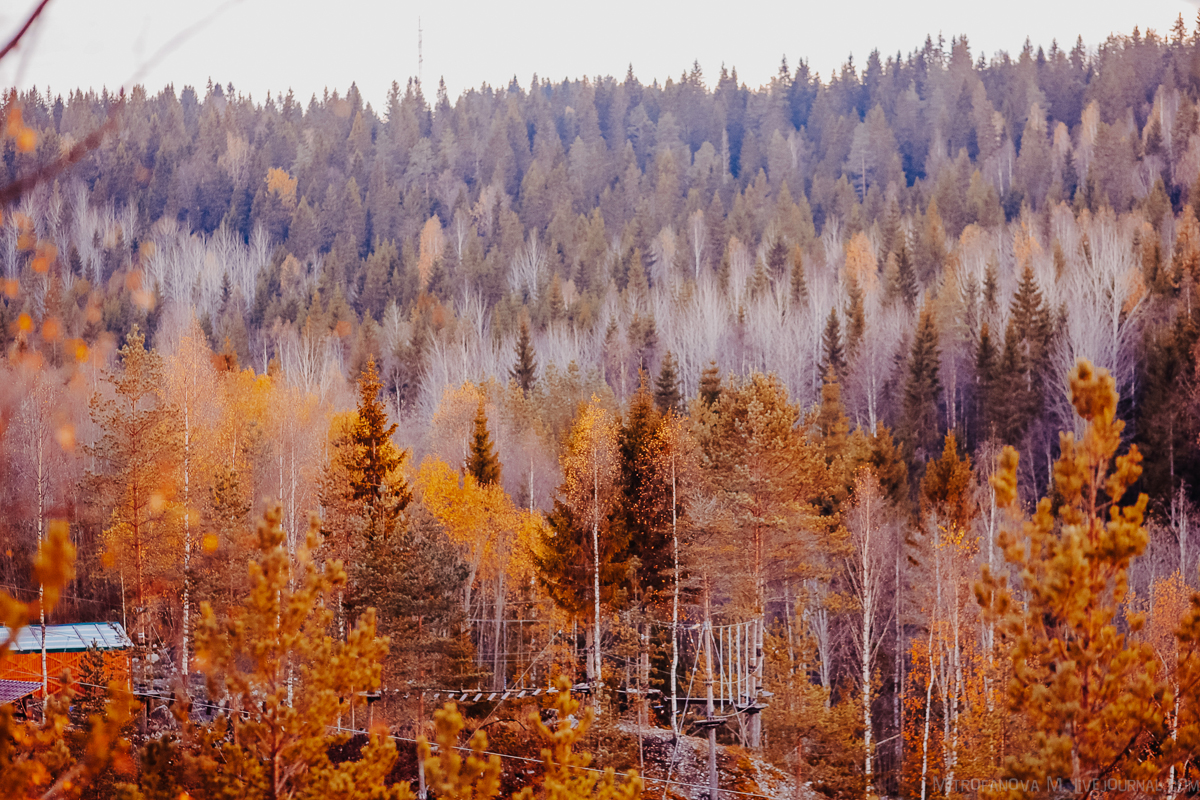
(420, 51)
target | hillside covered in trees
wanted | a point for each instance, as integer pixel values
(627, 383)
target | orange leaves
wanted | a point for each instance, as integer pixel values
(1077, 679)
(433, 243)
(1005, 479)
(24, 137)
(64, 434)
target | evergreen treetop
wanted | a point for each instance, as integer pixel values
(524, 371)
(831, 344)
(710, 384)
(666, 387)
(373, 461)
(482, 462)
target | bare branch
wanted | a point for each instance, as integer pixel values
(19, 35)
(14, 190)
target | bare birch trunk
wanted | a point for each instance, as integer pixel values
(187, 543)
(674, 606)
(928, 712)
(499, 663)
(708, 691)
(598, 674)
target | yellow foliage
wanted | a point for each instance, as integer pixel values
(450, 429)
(450, 776)
(282, 185)
(497, 535)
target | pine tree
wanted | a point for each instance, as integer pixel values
(566, 773)
(482, 461)
(290, 683)
(991, 287)
(666, 387)
(525, 370)
(831, 343)
(922, 388)
(710, 384)
(760, 281)
(1083, 686)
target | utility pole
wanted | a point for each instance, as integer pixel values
(709, 710)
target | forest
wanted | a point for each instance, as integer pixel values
(850, 422)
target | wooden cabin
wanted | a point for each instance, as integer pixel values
(65, 646)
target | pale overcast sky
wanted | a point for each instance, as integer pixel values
(262, 45)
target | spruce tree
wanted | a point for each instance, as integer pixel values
(642, 510)
(991, 287)
(372, 461)
(482, 461)
(888, 465)
(856, 317)
(710, 384)
(922, 388)
(831, 419)
(831, 344)
(905, 287)
(1027, 338)
(799, 282)
(777, 258)
(986, 362)
(666, 387)
(524, 371)
(556, 305)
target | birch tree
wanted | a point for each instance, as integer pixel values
(866, 571)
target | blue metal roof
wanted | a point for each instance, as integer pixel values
(11, 691)
(73, 638)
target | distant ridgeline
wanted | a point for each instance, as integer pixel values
(1031, 209)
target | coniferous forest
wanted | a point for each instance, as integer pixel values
(837, 437)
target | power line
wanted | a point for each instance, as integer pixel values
(434, 746)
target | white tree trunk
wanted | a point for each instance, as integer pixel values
(187, 540)
(598, 674)
(928, 713)
(674, 606)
